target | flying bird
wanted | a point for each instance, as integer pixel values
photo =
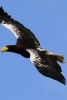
(28, 46)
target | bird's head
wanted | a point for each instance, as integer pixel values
(8, 48)
(16, 49)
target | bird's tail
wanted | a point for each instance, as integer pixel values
(56, 57)
(59, 58)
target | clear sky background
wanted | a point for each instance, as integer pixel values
(19, 79)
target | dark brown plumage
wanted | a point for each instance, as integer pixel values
(28, 46)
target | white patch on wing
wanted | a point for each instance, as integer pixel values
(12, 28)
(33, 55)
(40, 49)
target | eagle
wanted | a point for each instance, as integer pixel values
(28, 46)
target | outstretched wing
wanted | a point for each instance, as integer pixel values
(20, 31)
(49, 67)
(46, 65)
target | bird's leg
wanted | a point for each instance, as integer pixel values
(59, 58)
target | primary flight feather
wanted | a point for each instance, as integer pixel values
(28, 46)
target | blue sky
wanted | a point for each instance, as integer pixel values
(19, 79)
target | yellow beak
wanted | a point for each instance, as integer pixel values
(4, 49)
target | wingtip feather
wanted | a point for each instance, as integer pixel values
(3, 13)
